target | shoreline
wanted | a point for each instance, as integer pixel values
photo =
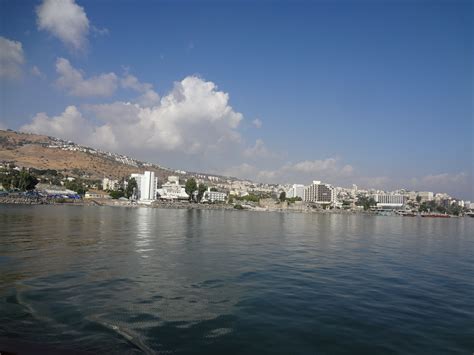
(168, 205)
(26, 201)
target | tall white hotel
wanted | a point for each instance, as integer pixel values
(146, 183)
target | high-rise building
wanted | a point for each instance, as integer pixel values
(319, 193)
(295, 191)
(146, 183)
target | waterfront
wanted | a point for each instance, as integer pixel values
(97, 279)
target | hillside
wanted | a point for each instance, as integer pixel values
(43, 152)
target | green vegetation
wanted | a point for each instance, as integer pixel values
(21, 180)
(366, 202)
(250, 198)
(433, 206)
(282, 196)
(131, 187)
(116, 194)
(76, 185)
(238, 207)
(190, 187)
(213, 189)
(293, 199)
(201, 189)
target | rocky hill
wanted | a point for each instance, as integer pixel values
(43, 152)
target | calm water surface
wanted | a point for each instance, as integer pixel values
(117, 280)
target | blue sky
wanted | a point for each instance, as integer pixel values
(377, 93)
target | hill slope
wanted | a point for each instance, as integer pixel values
(43, 152)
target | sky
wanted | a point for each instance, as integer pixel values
(373, 93)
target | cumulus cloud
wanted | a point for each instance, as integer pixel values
(65, 20)
(148, 98)
(131, 82)
(194, 118)
(259, 150)
(11, 58)
(257, 123)
(70, 124)
(74, 82)
(37, 72)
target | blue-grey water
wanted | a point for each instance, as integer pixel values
(120, 280)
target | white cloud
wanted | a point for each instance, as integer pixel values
(11, 58)
(74, 82)
(131, 82)
(37, 72)
(148, 98)
(257, 123)
(117, 112)
(259, 150)
(100, 31)
(194, 118)
(70, 124)
(65, 20)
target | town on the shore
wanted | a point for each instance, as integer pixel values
(23, 185)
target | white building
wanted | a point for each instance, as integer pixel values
(389, 200)
(172, 190)
(323, 194)
(426, 195)
(109, 184)
(213, 196)
(146, 183)
(296, 190)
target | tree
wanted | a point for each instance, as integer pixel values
(116, 194)
(366, 202)
(283, 196)
(201, 189)
(26, 181)
(213, 189)
(6, 182)
(190, 187)
(131, 187)
(77, 186)
(418, 198)
(427, 206)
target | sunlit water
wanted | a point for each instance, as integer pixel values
(119, 280)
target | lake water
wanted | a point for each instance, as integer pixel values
(120, 280)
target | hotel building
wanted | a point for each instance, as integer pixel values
(323, 194)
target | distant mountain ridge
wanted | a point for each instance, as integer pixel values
(43, 152)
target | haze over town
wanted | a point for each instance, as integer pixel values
(267, 92)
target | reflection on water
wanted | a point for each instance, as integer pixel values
(145, 226)
(191, 281)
